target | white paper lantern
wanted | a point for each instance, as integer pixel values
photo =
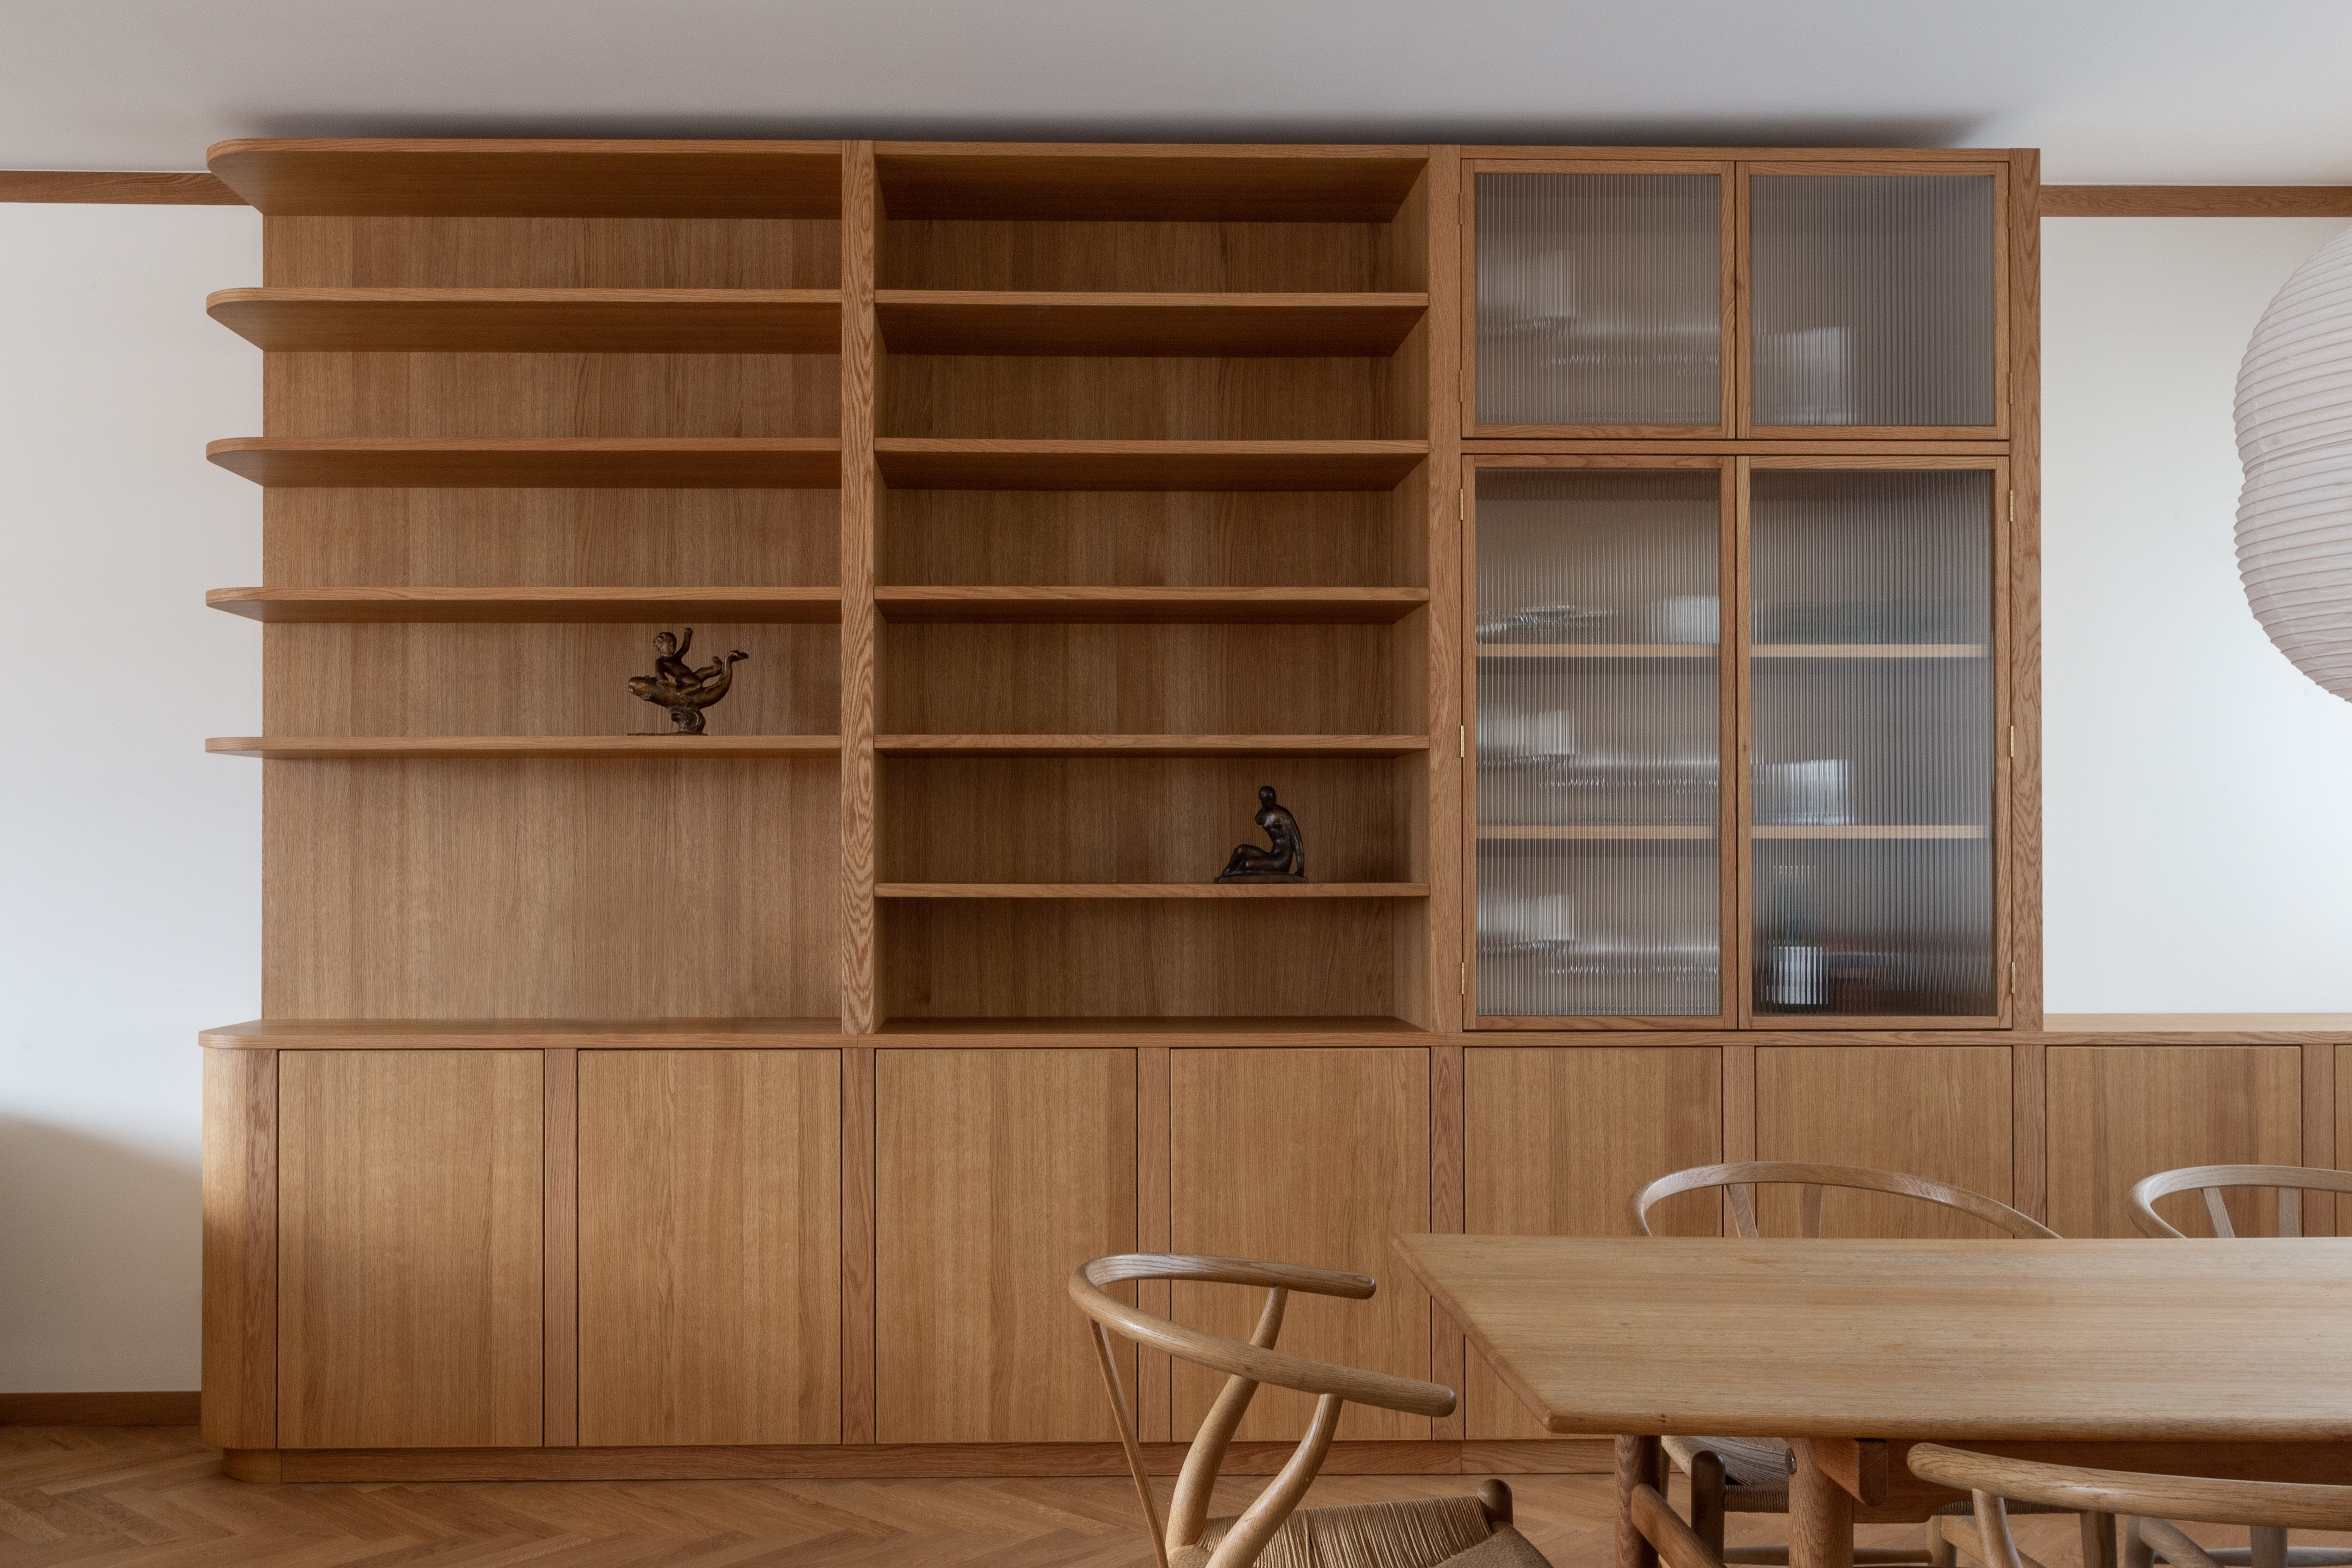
(2294, 437)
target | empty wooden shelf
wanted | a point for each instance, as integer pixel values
(941, 322)
(542, 462)
(1151, 746)
(1151, 890)
(1146, 183)
(529, 604)
(1144, 604)
(981, 464)
(534, 320)
(522, 178)
(668, 748)
(1335, 1031)
(524, 1034)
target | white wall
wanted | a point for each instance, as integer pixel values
(130, 914)
(2198, 790)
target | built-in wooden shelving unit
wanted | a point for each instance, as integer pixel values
(533, 321)
(315, 606)
(958, 463)
(533, 462)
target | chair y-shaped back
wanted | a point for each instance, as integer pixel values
(2291, 1181)
(1743, 1176)
(1246, 1366)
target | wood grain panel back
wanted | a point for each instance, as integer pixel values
(2121, 1112)
(1118, 679)
(997, 1172)
(552, 538)
(551, 253)
(1938, 1111)
(554, 679)
(509, 888)
(1136, 958)
(1303, 1156)
(1556, 1140)
(409, 1237)
(1144, 537)
(1156, 258)
(550, 395)
(709, 1246)
(1113, 819)
(1042, 397)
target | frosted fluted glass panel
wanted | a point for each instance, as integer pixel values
(1599, 689)
(1872, 714)
(1598, 928)
(1873, 299)
(1600, 299)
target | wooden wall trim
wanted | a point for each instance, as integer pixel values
(170, 1407)
(113, 187)
(2197, 200)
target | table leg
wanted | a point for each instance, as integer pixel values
(1641, 1461)
(1821, 1515)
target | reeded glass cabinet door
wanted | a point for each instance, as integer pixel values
(1875, 705)
(1599, 719)
(1872, 302)
(1601, 300)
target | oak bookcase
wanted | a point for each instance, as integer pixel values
(628, 1104)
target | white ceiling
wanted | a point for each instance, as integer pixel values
(2187, 92)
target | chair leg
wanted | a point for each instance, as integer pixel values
(2099, 1541)
(2136, 1553)
(1706, 1509)
(1941, 1552)
(2269, 1544)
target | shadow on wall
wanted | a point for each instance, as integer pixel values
(103, 1245)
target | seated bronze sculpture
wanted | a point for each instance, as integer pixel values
(1284, 861)
(677, 685)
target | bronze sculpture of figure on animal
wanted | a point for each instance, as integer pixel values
(678, 687)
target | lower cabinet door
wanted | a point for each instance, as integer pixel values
(709, 1246)
(1939, 1112)
(996, 1173)
(2121, 1112)
(409, 1243)
(1309, 1156)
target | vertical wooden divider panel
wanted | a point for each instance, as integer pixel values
(1558, 1138)
(1152, 1370)
(2025, 604)
(1444, 951)
(1447, 1176)
(710, 1288)
(1314, 1156)
(410, 1220)
(560, 1270)
(860, 216)
(996, 1173)
(1939, 1112)
(2121, 1112)
(240, 1250)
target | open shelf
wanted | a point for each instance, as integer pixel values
(1921, 831)
(516, 178)
(946, 321)
(344, 748)
(539, 462)
(1151, 890)
(534, 320)
(1300, 1031)
(953, 463)
(1151, 745)
(519, 1034)
(1868, 650)
(1373, 605)
(1112, 181)
(761, 606)
(1487, 832)
(1597, 650)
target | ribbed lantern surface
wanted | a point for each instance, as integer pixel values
(2294, 437)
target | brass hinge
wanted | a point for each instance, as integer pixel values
(2012, 506)
(1462, 742)
(1462, 505)
(2013, 743)
(1464, 972)
(2013, 977)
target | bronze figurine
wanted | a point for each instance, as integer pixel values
(677, 685)
(1284, 861)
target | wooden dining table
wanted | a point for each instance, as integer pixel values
(2227, 1358)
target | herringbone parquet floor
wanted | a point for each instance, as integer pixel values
(97, 1496)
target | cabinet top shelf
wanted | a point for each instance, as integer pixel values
(974, 463)
(540, 462)
(1151, 890)
(533, 321)
(400, 177)
(674, 748)
(945, 321)
(1294, 605)
(1146, 182)
(575, 605)
(1151, 745)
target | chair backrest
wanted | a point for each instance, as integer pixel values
(1740, 1180)
(2289, 1180)
(1245, 1366)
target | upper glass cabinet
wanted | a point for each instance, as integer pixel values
(1683, 300)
